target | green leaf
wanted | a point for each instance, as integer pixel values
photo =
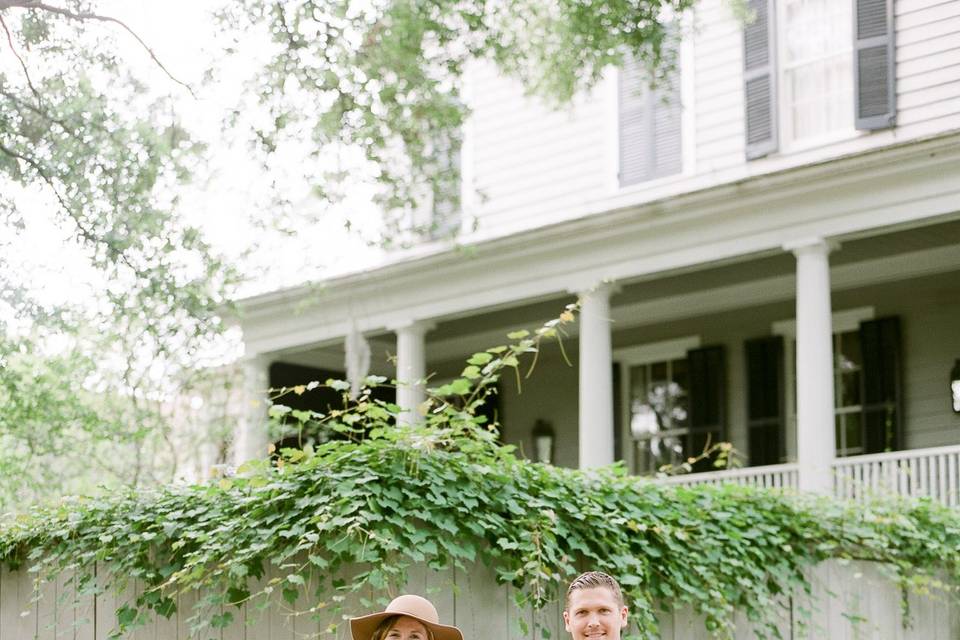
(338, 385)
(460, 386)
(221, 620)
(471, 372)
(126, 615)
(480, 359)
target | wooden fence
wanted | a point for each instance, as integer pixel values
(853, 601)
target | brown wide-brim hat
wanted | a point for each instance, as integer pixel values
(408, 605)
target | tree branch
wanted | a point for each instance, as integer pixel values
(23, 64)
(83, 231)
(84, 16)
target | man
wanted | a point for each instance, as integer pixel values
(595, 608)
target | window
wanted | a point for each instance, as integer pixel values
(866, 382)
(807, 80)
(848, 406)
(445, 188)
(659, 414)
(649, 126)
(816, 71)
(674, 405)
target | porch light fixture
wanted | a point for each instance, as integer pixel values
(955, 386)
(543, 439)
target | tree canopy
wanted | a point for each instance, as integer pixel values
(107, 154)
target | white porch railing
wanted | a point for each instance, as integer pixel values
(933, 473)
(915, 473)
(774, 476)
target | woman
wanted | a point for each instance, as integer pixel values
(407, 617)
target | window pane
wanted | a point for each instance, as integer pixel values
(657, 451)
(638, 384)
(679, 398)
(658, 373)
(658, 414)
(850, 348)
(817, 67)
(680, 375)
(854, 433)
(849, 395)
(643, 419)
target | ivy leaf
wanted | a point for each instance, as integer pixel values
(338, 385)
(480, 359)
(221, 620)
(471, 372)
(126, 615)
(460, 386)
(290, 594)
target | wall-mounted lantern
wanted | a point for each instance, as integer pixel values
(543, 440)
(955, 386)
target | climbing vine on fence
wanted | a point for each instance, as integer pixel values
(383, 498)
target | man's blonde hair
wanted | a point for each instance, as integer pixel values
(591, 580)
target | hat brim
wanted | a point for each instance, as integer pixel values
(362, 628)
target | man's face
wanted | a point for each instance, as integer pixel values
(595, 614)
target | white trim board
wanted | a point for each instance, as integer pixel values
(728, 298)
(656, 351)
(841, 322)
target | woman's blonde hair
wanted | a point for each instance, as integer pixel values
(384, 627)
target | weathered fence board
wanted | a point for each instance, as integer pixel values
(851, 601)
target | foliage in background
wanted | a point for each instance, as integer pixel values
(81, 135)
(385, 79)
(63, 431)
(354, 514)
(90, 145)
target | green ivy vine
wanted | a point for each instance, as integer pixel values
(380, 499)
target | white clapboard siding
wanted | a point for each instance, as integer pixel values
(531, 165)
(528, 156)
(851, 600)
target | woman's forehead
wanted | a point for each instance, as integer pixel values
(406, 623)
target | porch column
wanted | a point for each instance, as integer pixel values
(596, 378)
(816, 447)
(411, 368)
(251, 438)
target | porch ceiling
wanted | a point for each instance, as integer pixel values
(891, 242)
(709, 288)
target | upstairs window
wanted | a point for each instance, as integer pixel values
(649, 132)
(815, 70)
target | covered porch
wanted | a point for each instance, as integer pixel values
(809, 319)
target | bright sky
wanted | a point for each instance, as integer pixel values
(181, 32)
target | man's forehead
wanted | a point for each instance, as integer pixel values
(593, 597)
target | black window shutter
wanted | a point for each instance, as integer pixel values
(649, 130)
(874, 74)
(766, 414)
(707, 395)
(881, 384)
(759, 80)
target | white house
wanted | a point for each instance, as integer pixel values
(776, 232)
